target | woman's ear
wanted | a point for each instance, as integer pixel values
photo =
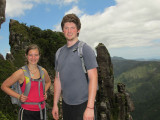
(25, 55)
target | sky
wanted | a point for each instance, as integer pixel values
(128, 28)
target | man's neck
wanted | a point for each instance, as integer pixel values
(71, 42)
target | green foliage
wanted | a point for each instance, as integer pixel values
(6, 69)
(9, 111)
(2, 116)
(20, 58)
(20, 29)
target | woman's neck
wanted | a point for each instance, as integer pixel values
(32, 67)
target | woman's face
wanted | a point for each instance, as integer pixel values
(33, 56)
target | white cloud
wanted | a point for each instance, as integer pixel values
(70, 1)
(130, 23)
(75, 10)
(16, 8)
(57, 27)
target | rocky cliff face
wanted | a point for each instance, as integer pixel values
(106, 83)
(2, 11)
(110, 105)
(105, 71)
(17, 40)
(1, 57)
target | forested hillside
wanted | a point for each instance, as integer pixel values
(142, 79)
(6, 108)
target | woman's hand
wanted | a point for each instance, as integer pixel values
(45, 96)
(22, 98)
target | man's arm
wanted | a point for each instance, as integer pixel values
(57, 92)
(93, 82)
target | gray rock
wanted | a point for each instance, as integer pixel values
(1, 57)
(2, 11)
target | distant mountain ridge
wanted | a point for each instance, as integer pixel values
(138, 59)
(117, 58)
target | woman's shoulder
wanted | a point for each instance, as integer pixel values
(45, 71)
(17, 75)
(19, 72)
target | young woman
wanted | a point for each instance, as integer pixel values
(33, 105)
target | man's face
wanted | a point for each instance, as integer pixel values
(70, 31)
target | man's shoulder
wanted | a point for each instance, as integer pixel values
(84, 45)
(87, 48)
(61, 47)
(59, 50)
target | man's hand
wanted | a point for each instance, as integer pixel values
(55, 112)
(88, 114)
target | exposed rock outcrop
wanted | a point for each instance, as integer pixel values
(9, 57)
(1, 57)
(105, 70)
(2, 11)
(106, 83)
(124, 102)
(17, 40)
(110, 105)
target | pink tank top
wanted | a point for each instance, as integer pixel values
(33, 96)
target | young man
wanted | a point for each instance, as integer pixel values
(78, 90)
